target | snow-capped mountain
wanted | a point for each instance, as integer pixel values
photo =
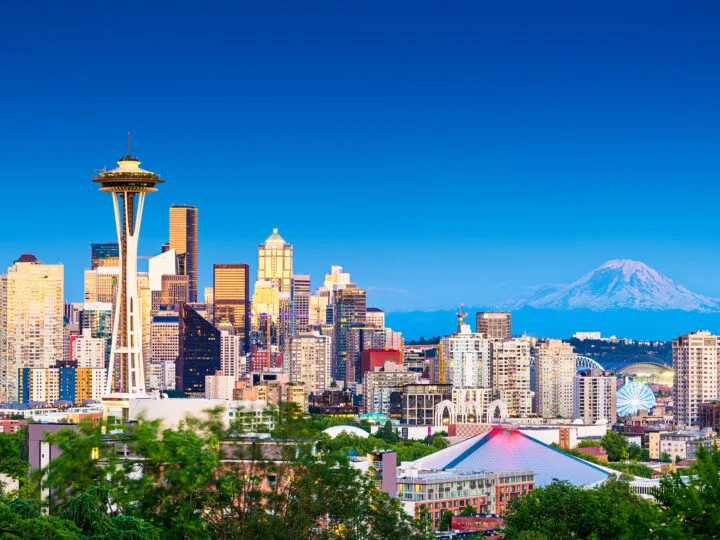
(617, 284)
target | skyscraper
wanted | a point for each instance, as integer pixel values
(128, 184)
(310, 361)
(107, 254)
(31, 320)
(349, 305)
(231, 297)
(595, 396)
(555, 379)
(695, 361)
(184, 240)
(511, 375)
(465, 358)
(198, 352)
(275, 262)
(493, 324)
(301, 304)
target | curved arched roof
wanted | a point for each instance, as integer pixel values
(334, 431)
(645, 369)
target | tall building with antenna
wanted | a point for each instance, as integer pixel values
(128, 184)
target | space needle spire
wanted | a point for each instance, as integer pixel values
(128, 184)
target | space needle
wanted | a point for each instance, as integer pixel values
(128, 184)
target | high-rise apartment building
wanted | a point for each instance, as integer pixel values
(97, 318)
(555, 379)
(595, 396)
(232, 361)
(184, 240)
(198, 352)
(231, 297)
(89, 352)
(349, 305)
(375, 317)
(381, 382)
(511, 375)
(493, 324)
(275, 262)
(31, 320)
(465, 359)
(301, 304)
(309, 361)
(165, 337)
(695, 361)
(107, 254)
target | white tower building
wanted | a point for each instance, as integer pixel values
(127, 184)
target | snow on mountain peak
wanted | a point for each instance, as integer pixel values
(619, 283)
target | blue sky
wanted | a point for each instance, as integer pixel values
(440, 153)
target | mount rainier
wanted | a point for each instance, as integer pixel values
(617, 284)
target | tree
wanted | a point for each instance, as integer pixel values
(563, 511)
(690, 505)
(615, 445)
(589, 443)
(665, 457)
(445, 520)
(469, 510)
(387, 434)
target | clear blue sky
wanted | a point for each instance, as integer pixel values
(441, 152)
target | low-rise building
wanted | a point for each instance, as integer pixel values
(453, 489)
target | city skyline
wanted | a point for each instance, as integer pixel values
(583, 135)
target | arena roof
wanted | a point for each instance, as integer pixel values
(504, 449)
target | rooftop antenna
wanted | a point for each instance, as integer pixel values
(129, 154)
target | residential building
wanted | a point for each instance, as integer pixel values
(393, 339)
(90, 384)
(231, 298)
(309, 361)
(375, 317)
(349, 305)
(595, 396)
(232, 361)
(465, 359)
(198, 352)
(97, 318)
(493, 325)
(684, 444)
(301, 293)
(555, 379)
(219, 386)
(511, 375)
(415, 404)
(709, 415)
(439, 491)
(380, 382)
(31, 320)
(275, 262)
(382, 465)
(184, 240)
(89, 352)
(695, 361)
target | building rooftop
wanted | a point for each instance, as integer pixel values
(275, 239)
(28, 258)
(505, 449)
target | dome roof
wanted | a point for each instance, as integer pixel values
(334, 431)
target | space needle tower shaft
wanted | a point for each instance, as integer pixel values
(128, 184)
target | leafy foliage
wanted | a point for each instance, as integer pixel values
(563, 511)
(615, 445)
